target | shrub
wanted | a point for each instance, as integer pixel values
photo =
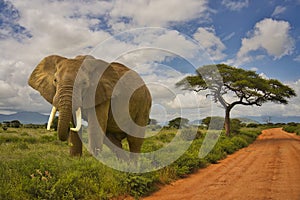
(139, 185)
(239, 142)
(292, 128)
(215, 155)
(187, 163)
(252, 125)
(188, 134)
(228, 146)
(235, 126)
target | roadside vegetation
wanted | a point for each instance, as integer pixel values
(35, 165)
(292, 128)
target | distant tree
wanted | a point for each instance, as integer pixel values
(15, 124)
(248, 87)
(152, 122)
(6, 124)
(218, 122)
(252, 125)
(178, 122)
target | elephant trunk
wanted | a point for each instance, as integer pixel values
(65, 117)
(63, 99)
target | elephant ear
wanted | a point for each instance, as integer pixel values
(42, 77)
(102, 78)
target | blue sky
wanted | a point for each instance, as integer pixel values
(242, 21)
(259, 35)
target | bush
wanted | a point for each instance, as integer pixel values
(218, 153)
(228, 146)
(235, 126)
(292, 128)
(252, 125)
(189, 134)
(139, 185)
(239, 142)
(187, 163)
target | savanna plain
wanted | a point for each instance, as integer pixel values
(35, 165)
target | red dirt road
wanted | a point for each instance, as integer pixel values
(267, 169)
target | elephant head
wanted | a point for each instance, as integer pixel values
(70, 82)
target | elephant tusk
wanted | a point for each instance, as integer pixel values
(51, 117)
(78, 121)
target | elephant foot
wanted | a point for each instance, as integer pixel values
(95, 151)
(95, 144)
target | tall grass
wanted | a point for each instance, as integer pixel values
(35, 165)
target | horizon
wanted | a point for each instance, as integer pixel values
(258, 119)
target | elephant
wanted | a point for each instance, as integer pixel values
(111, 97)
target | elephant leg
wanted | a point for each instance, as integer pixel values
(115, 144)
(97, 127)
(75, 143)
(114, 140)
(135, 144)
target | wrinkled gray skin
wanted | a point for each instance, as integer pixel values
(54, 78)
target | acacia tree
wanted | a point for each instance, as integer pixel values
(247, 87)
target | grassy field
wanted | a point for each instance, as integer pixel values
(35, 165)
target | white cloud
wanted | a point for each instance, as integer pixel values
(254, 69)
(58, 31)
(297, 59)
(278, 10)
(272, 109)
(293, 107)
(263, 75)
(69, 28)
(189, 100)
(235, 5)
(270, 35)
(210, 42)
(6, 90)
(156, 12)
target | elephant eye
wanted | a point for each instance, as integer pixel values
(55, 81)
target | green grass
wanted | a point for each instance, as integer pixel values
(35, 165)
(292, 128)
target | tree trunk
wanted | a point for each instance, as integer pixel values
(227, 121)
(75, 143)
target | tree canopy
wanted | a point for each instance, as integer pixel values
(178, 122)
(248, 87)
